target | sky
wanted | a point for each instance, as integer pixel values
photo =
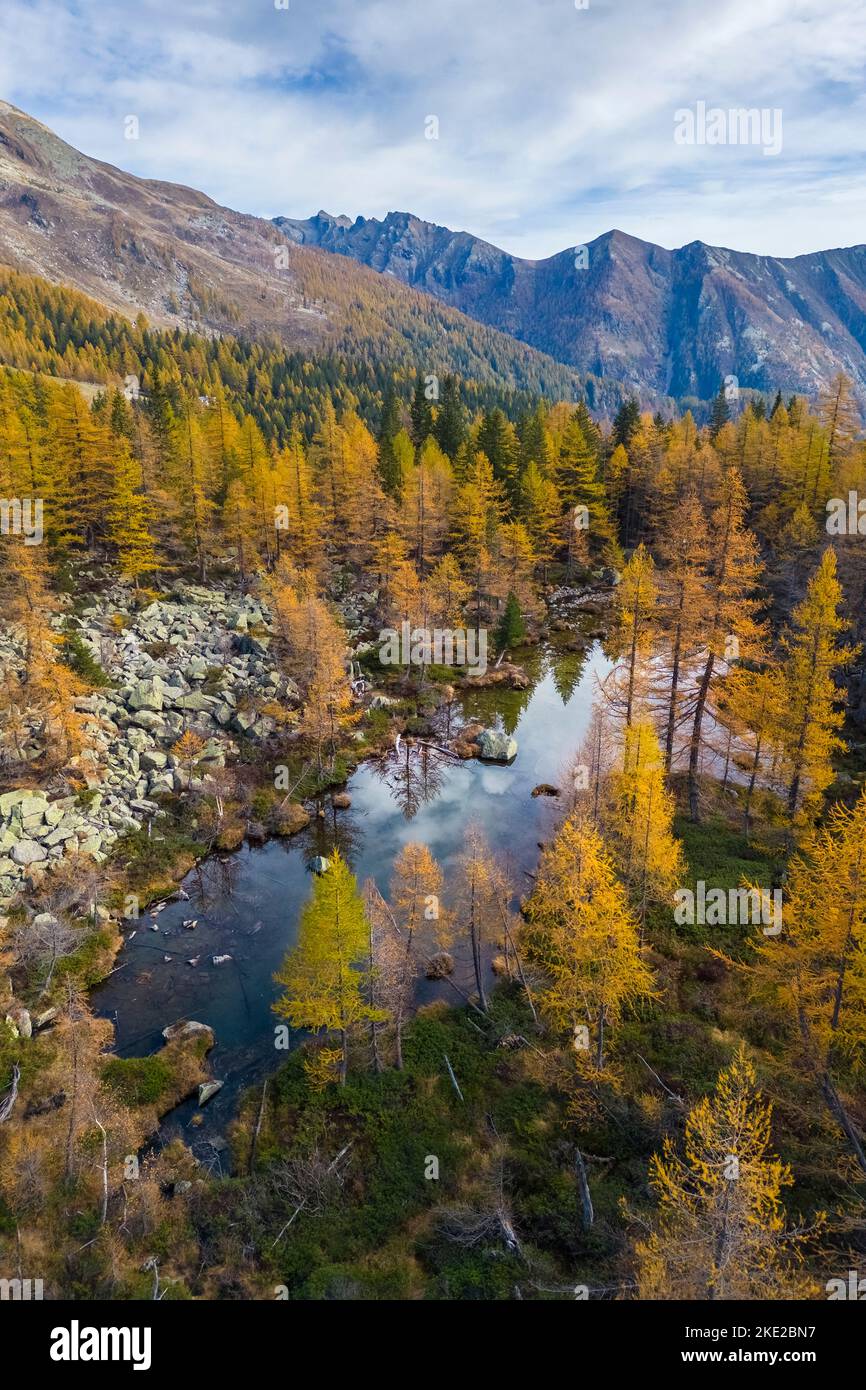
(553, 123)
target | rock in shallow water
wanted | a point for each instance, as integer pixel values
(497, 747)
(187, 1028)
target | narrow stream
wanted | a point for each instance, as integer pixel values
(247, 904)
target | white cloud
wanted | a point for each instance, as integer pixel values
(555, 124)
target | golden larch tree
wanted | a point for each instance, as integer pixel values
(720, 1230)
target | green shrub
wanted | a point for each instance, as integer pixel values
(137, 1080)
(78, 657)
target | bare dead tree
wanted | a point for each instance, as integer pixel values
(43, 942)
(104, 1167)
(153, 1264)
(488, 1222)
(308, 1182)
(583, 1186)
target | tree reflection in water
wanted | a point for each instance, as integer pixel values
(414, 775)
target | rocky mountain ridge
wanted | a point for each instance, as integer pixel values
(672, 323)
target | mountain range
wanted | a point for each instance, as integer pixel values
(669, 323)
(170, 252)
(616, 316)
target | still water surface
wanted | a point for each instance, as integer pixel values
(247, 904)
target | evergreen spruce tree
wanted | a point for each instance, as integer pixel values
(511, 630)
(626, 422)
(449, 430)
(389, 468)
(721, 412)
(421, 412)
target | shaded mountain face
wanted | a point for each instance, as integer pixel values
(670, 323)
(171, 252)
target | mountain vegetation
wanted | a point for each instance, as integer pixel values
(618, 1097)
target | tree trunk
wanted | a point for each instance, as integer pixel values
(695, 748)
(583, 1186)
(672, 707)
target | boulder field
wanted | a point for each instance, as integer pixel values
(196, 659)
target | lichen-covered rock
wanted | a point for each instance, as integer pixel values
(28, 852)
(146, 695)
(188, 1028)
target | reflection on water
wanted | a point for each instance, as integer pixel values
(247, 904)
(414, 775)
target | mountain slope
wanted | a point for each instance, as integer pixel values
(171, 252)
(667, 322)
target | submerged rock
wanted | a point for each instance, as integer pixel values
(545, 789)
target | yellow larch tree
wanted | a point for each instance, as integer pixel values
(476, 906)
(583, 938)
(808, 707)
(730, 611)
(640, 822)
(720, 1229)
(812, 975)
(539, 510)
(241, 529)
(300, 533)
(750, 704)
(323, 975)
(129, 517)
(191, 485)
(684, 548)
(635, 622)
(419, 917)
